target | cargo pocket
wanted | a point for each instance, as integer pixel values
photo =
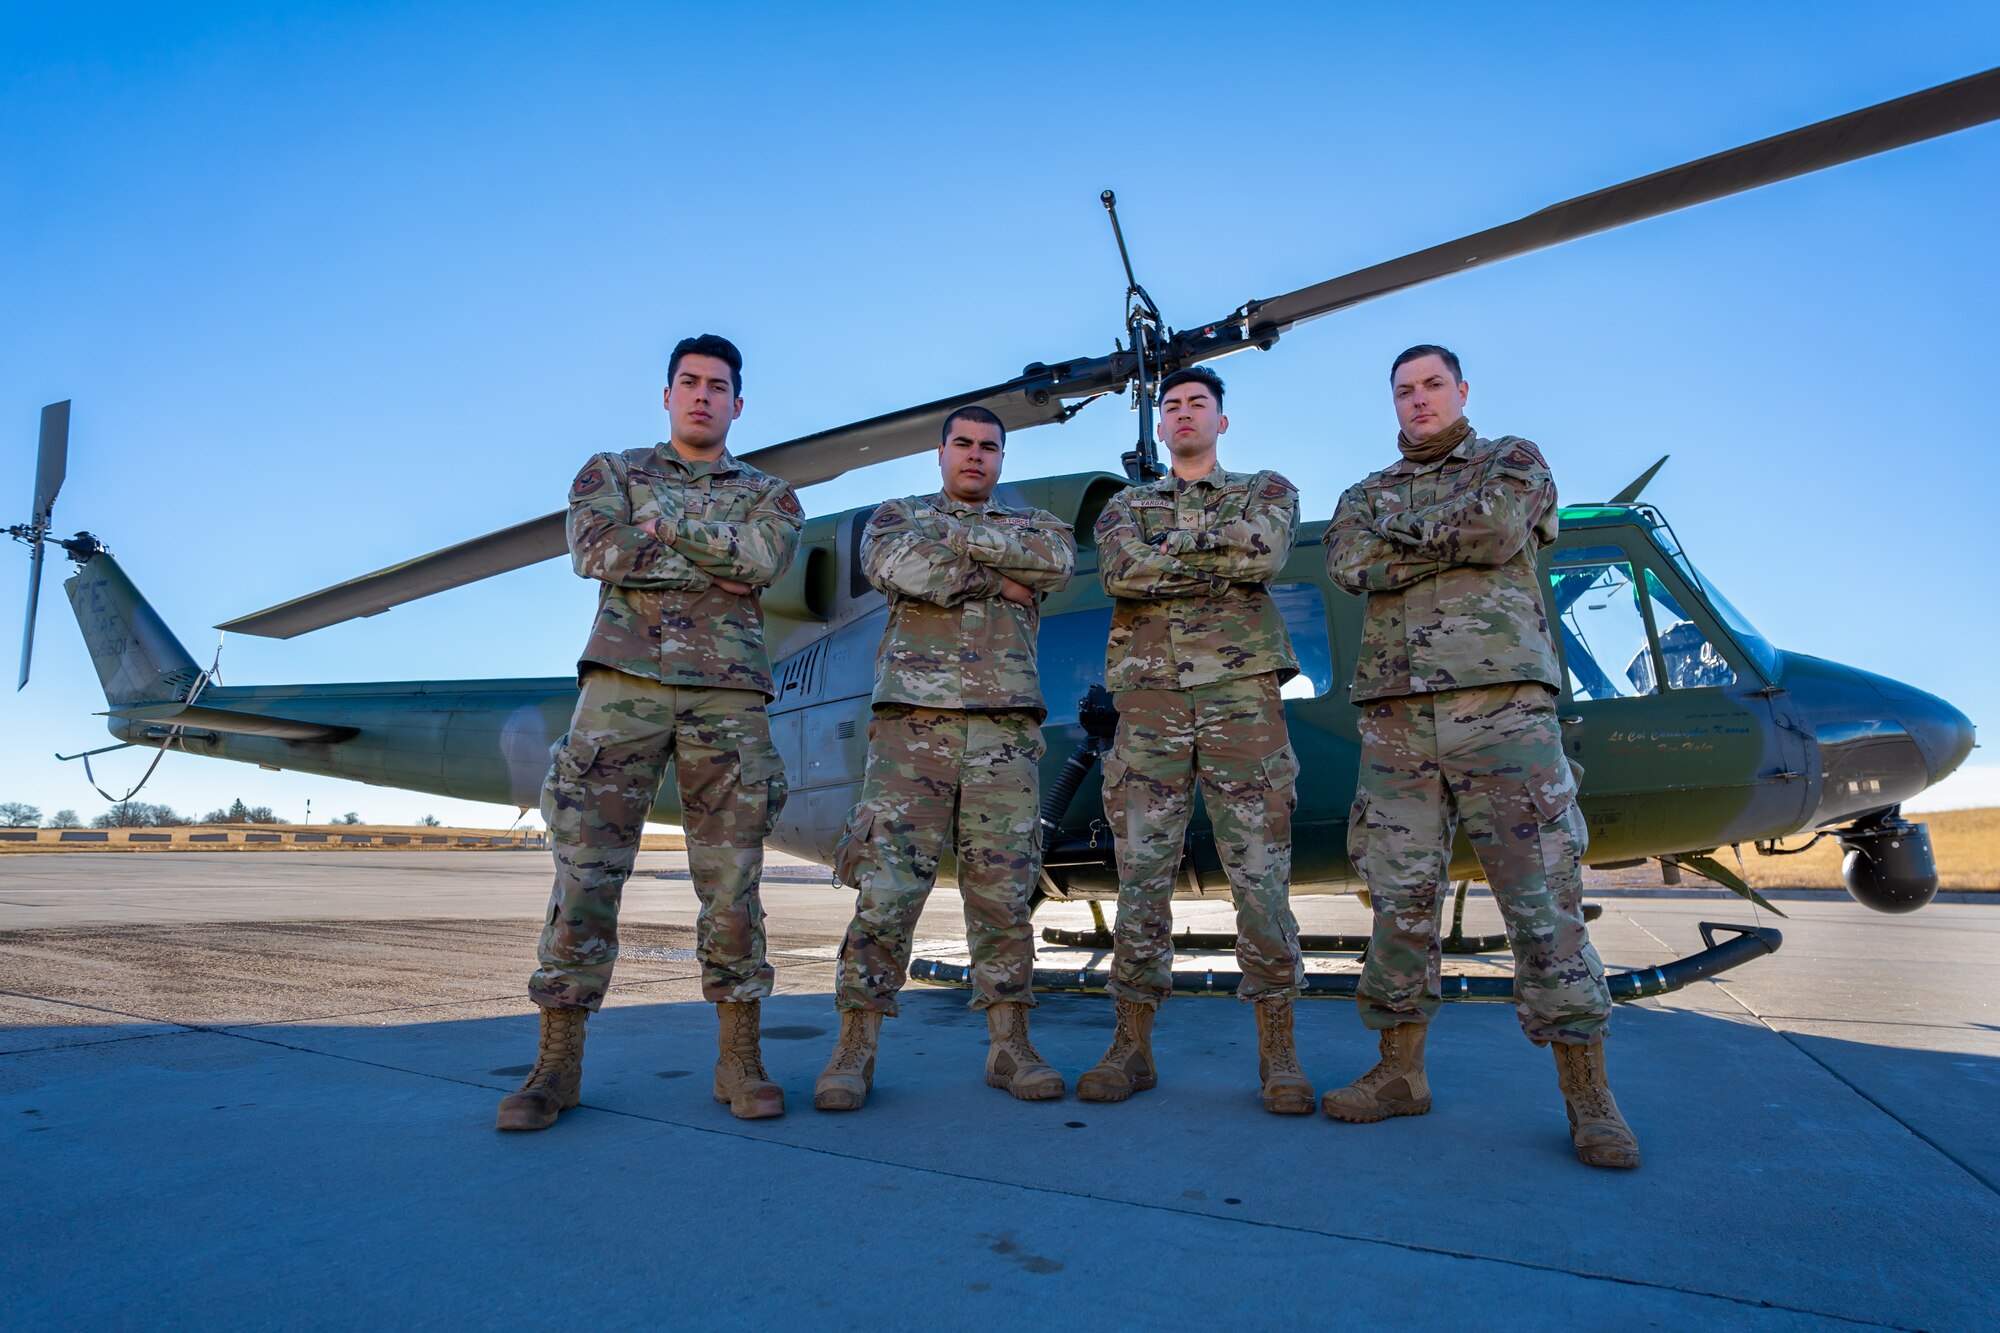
(850, 853)
(1357, 834)
(760, 791)
(1563, 835)
(1281, 789)
(1113, 801)
(563, 792)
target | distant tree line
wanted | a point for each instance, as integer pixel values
(140, 814)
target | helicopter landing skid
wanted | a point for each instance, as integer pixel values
(1453, 943)
(1744, 944)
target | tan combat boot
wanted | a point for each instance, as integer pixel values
(555, 1083)
(843, 1085)
(1601, 1136)
(1395, 1086)
(1128, 1066)
(1286, 1088)
(740, 1079)
(1012, 1062)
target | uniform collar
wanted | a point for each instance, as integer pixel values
(670, 457)
(1403, 467)
(945, 504)
(1173, 485)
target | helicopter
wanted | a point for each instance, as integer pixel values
(1692, 730)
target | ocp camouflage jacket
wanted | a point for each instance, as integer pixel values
(659, 613)
(952, 640)
(1446, 555)
(1189, 565)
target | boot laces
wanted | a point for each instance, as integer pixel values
(1391, 1066)
(741, 1045)
(1124, 1040)
(1015, 1037)
(850, 1053)
(1382, 1073)
(1280, 1055)
(1588, 1089)
(561, 1050)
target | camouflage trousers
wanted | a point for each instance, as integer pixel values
(606, 775)
(1231, 737)
(936, 774)
(1489, 757)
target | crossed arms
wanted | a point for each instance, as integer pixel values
(1196, 562)
(611, 543)
(904, 554)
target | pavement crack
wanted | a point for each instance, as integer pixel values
(1860, 1092)
(101, 1009)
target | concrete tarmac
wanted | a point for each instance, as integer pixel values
(248, 1092)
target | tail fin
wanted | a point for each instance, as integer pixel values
(138, 659)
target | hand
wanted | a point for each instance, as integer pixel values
(732, 587)
(1020, 594)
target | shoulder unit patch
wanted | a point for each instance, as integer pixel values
(588, 482)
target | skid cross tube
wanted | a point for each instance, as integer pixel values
(1745, 943)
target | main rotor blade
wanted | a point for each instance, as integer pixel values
(1944, 109)
(913, 430)
(28, 629)
(1036, 397)
(51, 462)
(808, 459)
(467, 562)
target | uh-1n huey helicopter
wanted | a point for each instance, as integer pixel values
(1694, 732)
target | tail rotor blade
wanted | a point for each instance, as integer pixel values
(34, 596)
(51, 464)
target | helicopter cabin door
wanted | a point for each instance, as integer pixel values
(1669, 731)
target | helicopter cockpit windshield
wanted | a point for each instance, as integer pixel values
(1626, 634)
(1745, 634)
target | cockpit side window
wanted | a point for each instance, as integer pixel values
(1603, 621)
(1691, 660)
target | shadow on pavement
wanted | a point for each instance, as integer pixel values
(326, 1168)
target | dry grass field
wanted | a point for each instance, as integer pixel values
(1966, 843)
(284, 838)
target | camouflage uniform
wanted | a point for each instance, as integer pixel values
(955, 742)
(675, 670)
(1197, 653)
(1457, 682)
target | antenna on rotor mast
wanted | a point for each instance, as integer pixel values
(1147, 330)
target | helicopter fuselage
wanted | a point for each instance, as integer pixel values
(1691, 731)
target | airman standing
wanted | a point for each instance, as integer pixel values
(952, 755)
(1198, 651)
(1457, 681)
(682, 536)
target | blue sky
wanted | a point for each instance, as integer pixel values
(334, 286)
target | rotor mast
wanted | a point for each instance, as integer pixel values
(1148, 332)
